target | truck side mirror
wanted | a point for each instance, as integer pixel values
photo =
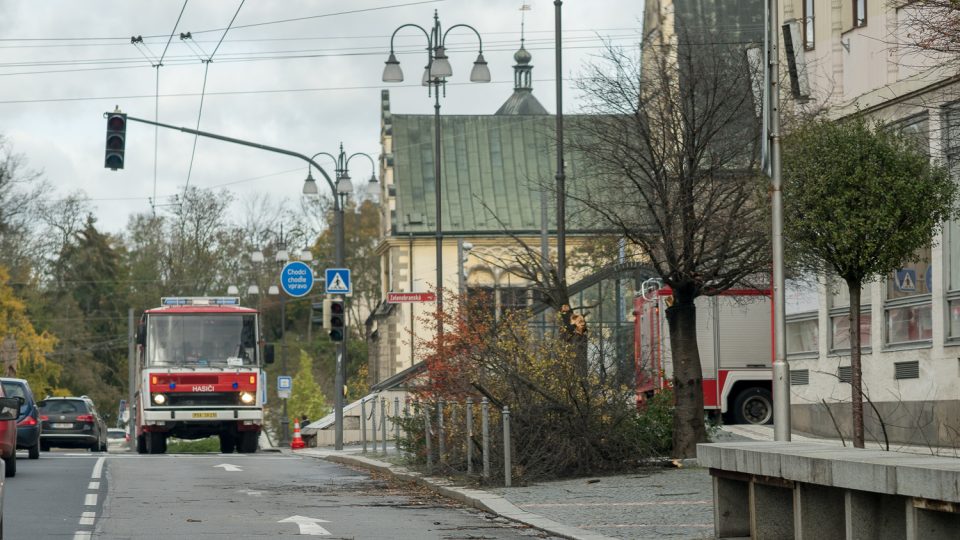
(141, 334)
(268, 353)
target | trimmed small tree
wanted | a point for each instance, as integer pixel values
(306, 398)
(859, 202)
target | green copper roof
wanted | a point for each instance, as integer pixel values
(492, 170)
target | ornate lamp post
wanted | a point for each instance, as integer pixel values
(435, 75)
(343, 188)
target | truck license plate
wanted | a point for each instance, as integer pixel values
(204, 415)
(61, 426)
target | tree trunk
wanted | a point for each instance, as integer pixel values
(688, 426)
(856, 383)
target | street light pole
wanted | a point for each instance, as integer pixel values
(342, 188)
(435, 78)
(561, 173)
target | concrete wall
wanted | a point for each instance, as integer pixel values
(933, 423)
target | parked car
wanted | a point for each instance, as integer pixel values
(71, 422)
(118, 440)
(28, 421)
(9, 409)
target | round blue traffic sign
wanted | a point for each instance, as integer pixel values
(296, 279)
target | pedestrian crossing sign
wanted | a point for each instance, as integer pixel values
(338, 281)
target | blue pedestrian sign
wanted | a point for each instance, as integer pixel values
(338, 281)
(296, 279)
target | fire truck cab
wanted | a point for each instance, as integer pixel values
(200, 373)
(734, 340)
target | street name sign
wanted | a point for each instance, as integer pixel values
(296, 279)
(410, 297)
(338, 281)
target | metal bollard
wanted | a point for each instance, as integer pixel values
(373, 422)
(485, 429)
(426, 438)
(363, 425)
(469, 437)
(383, 419)
(396, 424)
(441, 446)
(506, 446)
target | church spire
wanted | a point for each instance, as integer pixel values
(522, 100)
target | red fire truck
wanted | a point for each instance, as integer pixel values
(734, 339)
(200, 374)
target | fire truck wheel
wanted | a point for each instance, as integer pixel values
(156, 443)
(141, 444)
(248, 442)
(227, 443)
(753, 406)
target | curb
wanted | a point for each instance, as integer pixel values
(475, 498)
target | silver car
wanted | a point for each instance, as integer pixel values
(117, 440)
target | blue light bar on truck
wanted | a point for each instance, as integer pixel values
(200, 301)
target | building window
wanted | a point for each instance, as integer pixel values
(512, 299)
(859, 13)
(909, 324)
(802, 335)
(907, 311)
(951, 151)
(808, 36)
(840, 316)
(840, 330)
(485, 297)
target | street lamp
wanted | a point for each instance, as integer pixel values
(340, 191)
(435, 75)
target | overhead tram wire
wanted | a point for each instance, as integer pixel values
(251, 25)
(206, 69)
(156, 103)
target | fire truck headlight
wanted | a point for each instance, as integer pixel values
(159, 399)
(246, 397)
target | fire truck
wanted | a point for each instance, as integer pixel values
(734, 339)
(199, 374)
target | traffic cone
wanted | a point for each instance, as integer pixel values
(297, 442)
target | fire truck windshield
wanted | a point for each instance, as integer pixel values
(200, 340)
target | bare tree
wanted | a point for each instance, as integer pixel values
(929, 27)
(673, 139)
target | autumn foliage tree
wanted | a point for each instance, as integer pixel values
(564, 421)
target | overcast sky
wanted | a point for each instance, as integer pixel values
(302, 75)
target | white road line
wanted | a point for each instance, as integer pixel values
(94, 486)
(90, 499)
(82, 535)
(87, 518)
(98, 468)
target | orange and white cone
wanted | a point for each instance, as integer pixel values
(297, 442)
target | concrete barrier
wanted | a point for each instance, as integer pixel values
(814, 491)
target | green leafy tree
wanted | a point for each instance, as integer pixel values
(33, 347)
(860, 201)
(306, 398)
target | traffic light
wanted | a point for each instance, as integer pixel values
(337, 321)
(325, 306)
(316, 316)
(116, 140)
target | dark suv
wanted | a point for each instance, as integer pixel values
(71, 422)
(28, 421)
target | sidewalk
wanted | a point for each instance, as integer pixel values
(648, 504)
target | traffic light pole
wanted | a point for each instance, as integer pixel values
(341, 345)
(338, 210)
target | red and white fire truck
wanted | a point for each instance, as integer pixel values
(200, 374)
(734, 339)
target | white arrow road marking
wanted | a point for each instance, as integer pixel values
(308, 525)
(229, 468)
